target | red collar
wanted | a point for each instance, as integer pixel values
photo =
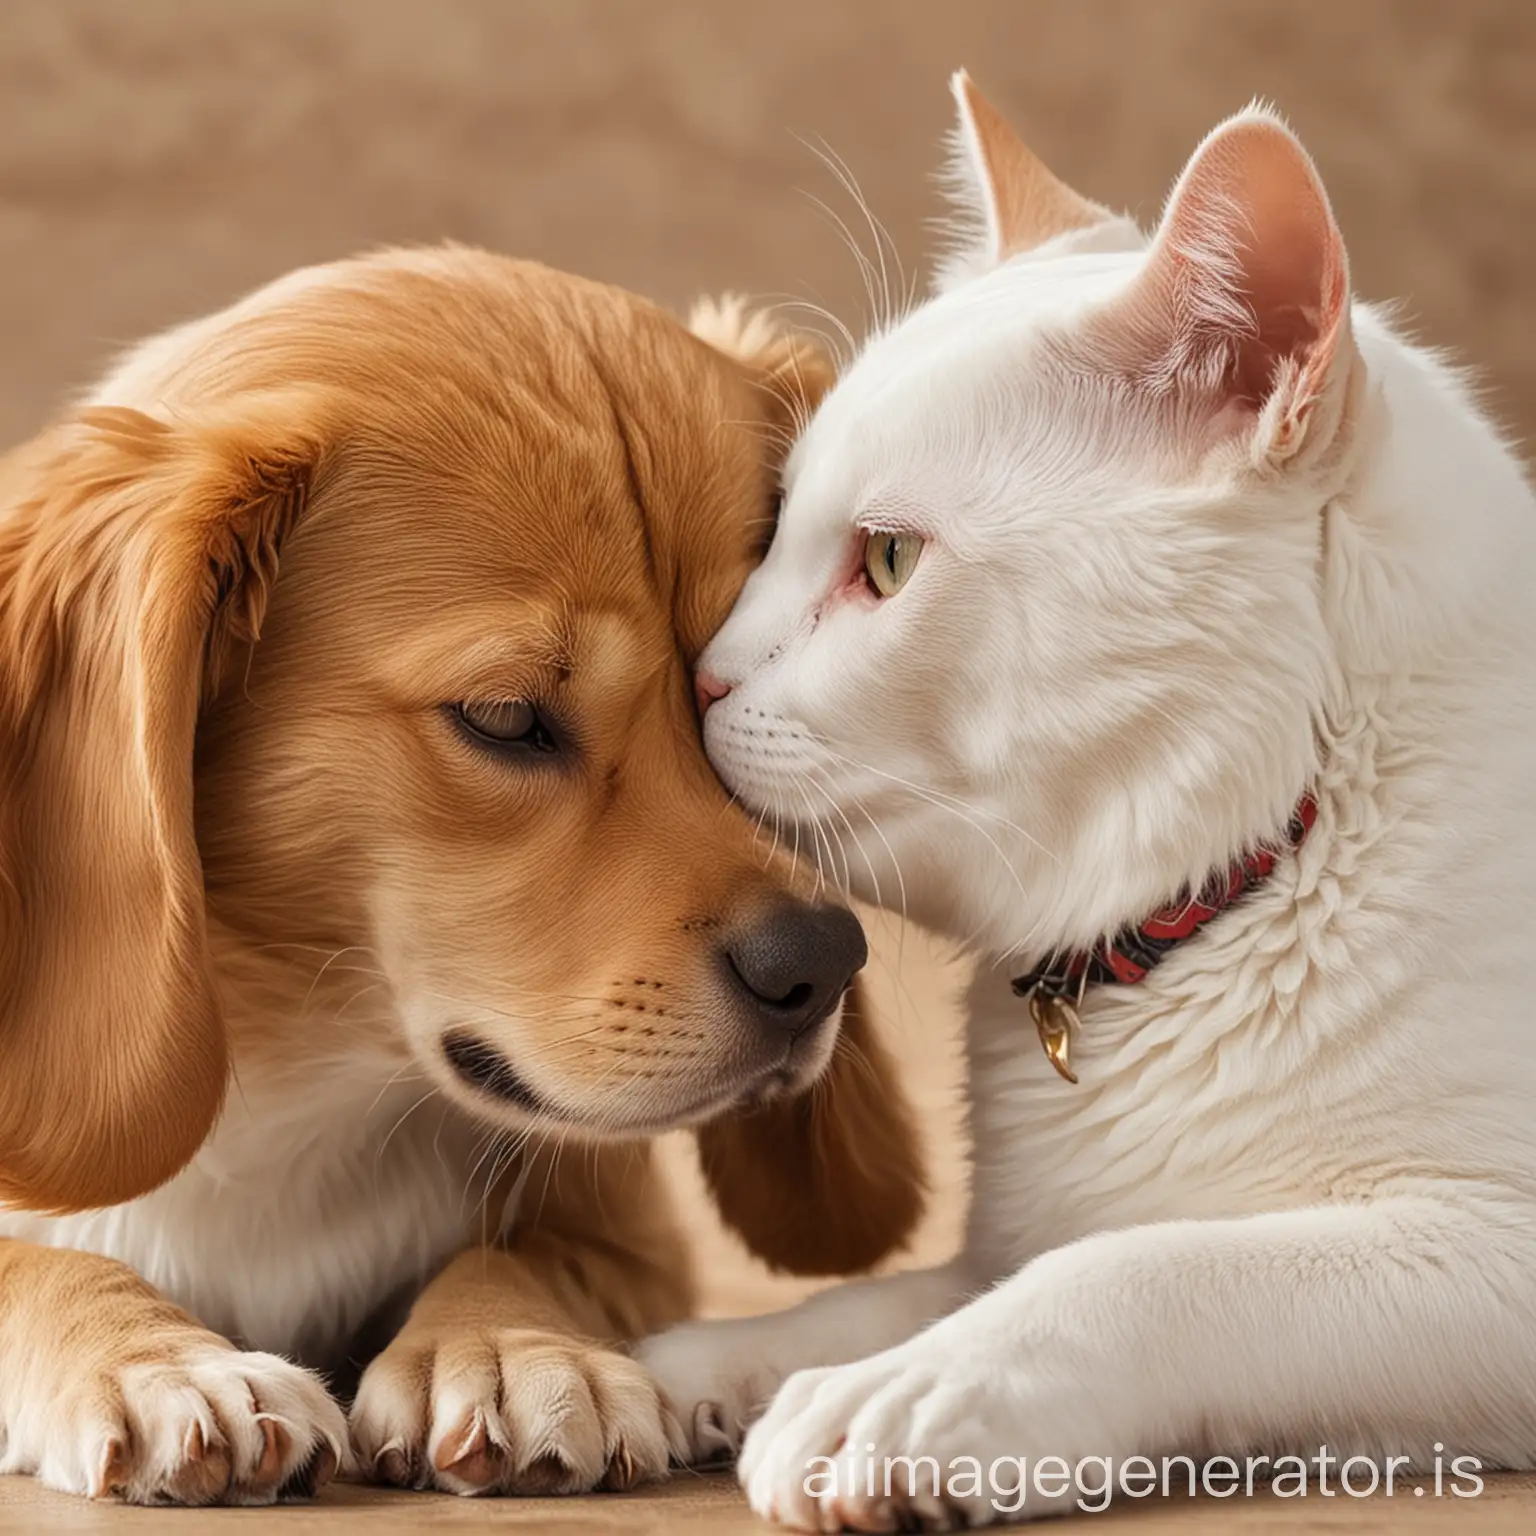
(1057, 985)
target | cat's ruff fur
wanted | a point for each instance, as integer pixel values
(1293, 1201)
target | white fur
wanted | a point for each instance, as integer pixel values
(317, 1196)
(326, 1192)
(1293, 1199)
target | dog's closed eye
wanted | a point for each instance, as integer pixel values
(505, 725)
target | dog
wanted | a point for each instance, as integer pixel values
(359, 855)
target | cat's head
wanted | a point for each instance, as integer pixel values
(1039, 638)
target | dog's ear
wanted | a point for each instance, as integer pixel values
(792, 368)
(132, 554)
(829, 1182)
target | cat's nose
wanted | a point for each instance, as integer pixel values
(707, 690)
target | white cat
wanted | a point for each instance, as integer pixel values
(1091, 573)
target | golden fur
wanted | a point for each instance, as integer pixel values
(242, 840)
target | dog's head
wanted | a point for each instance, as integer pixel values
(508, 508)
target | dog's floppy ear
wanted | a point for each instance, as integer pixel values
(831, 1181)
(794, 369)
(132, 553)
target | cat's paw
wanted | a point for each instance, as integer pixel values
(510, 1410)
(719, 1377)
(925, 1436)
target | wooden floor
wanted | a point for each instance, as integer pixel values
(713, 1504)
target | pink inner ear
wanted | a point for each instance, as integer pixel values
(1246, 288)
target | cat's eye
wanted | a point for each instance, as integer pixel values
(890, 559)
(506, 723)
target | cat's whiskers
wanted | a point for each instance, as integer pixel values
(901, 884)
(867, 269)
(780, 437)
(843, 348)
(802, 815)
(936, 796)
(777, 834)
(837, 809)
(892, 971)
(833, 838)
(881, 235)
(813, 821)
(955, 810)
(823, 835)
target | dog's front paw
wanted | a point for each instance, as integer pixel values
(510, 1410)
(719, 1378)
(928, 1436)
(202, 1423)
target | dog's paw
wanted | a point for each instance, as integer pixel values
(718, 1377)
(510, 1411)
(205, 1424)
(926, 1436)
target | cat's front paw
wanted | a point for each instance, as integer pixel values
(924, 1436)
(718, 1377)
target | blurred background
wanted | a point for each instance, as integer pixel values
(159, 157)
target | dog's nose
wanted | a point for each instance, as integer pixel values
(707, 690)
(796, 962)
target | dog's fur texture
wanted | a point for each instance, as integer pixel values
(1200, 532)
(421, 478)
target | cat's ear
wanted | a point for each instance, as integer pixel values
(1006, 199)
(1241, 314)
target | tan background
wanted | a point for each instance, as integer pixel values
(157, 158)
